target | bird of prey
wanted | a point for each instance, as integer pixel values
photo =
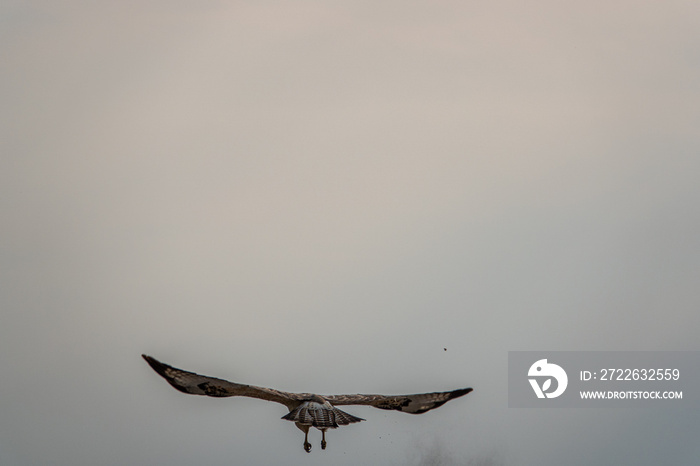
(306, 410)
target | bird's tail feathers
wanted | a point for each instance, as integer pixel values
(320, 416)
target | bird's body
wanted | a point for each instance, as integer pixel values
(319, 413)
(306, 410)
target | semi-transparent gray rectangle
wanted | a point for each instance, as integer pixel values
(603, 379)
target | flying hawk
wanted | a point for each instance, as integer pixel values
(305, 409)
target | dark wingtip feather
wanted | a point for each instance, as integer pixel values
(460, 392)
(157, 366)
(161, 368)
(153, 362)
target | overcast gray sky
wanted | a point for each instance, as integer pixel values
(322, 196)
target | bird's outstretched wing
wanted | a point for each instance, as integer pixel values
(414, 404)
(195, 384)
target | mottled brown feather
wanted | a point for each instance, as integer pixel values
(413, 404)
(195, 384)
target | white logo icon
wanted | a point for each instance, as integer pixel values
(543, 369)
